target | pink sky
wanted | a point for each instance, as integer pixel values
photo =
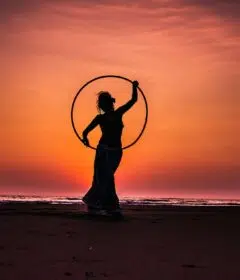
(185, 55)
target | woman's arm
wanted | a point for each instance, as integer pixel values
(89, 128)
(124, 108)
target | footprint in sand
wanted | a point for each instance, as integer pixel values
(6, 264)
(192, 266)
(189, 265)
(89, 275)
(33, 231)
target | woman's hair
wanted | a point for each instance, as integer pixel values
(105, 101)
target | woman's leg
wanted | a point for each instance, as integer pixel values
(110, 200)
(92, 197)
(102, 194)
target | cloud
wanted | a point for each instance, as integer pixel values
(206, 23)
(11, 8)
(221, 8)
(226, 9)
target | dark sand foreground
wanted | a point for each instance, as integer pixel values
(55, 242)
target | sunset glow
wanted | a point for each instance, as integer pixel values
(185, 55)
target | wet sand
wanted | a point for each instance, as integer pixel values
(55, 242)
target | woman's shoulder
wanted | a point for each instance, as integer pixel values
(99, 117)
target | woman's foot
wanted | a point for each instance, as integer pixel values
(116, 214)
(94, 211)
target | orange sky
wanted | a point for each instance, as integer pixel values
(185, 55)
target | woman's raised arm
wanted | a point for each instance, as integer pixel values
(124, 108)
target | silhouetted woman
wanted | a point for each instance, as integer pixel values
(102, 194)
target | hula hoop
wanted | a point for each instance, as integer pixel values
(102, 77)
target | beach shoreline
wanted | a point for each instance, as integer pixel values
(48, 241)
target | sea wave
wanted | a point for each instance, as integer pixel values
(123, 200)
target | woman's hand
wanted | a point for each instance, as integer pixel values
(85, 141)
(135, 83)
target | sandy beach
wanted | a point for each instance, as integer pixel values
(55, 242)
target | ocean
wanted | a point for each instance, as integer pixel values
(124, 200)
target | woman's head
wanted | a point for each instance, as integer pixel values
(105, 101)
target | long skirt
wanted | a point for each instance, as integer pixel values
(102, 194)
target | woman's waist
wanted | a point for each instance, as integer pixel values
(109, 145)
(116, 141)
(106, 145)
